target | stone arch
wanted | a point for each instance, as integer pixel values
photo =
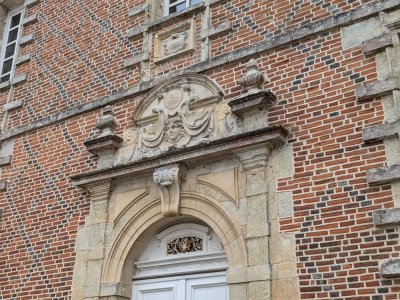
(117, 268)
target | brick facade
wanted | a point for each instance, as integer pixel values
(77, 67)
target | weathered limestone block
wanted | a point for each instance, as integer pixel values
(377, 89)
(13, 105)
(390, 268)
(380, 132)
(357, 33)
(383, 175)
(375, 45)
(3, 185)
(387, 217)
(5, 160)
(216, 31)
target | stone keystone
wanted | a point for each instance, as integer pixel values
(169, 181)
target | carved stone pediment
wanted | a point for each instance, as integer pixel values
(184, 112)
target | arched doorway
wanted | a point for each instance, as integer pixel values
(185, 261)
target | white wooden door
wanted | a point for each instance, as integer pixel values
(193, 287)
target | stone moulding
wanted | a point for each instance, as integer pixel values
(270, 137)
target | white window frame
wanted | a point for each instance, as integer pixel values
(168, 5)
(11, 13)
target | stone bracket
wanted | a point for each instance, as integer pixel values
(379, 88)
(216, 31)
(13, 105)
(390, 268)
(259, 100)
(3, 185)
(375, 45)
(383, 175)
(135, 60)
(387, 217)
(138, 10)
(380, 132)
(5, 160)
(168, 180)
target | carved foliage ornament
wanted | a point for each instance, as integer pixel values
(185, 245)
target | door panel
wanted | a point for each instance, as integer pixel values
(162, 290)
(210, 288)
(193, 287)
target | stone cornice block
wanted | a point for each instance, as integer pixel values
(5, 160)
(27, 39)
(380, 132)
(108, 142)
(390, 268)
(136, 31)
(30, 20)
(377, 89)
(5, 85)
(393, 25)
(387, 217)
(130, 62)
(19, 79)
(261, 99)
(213, 32)
(383, 175)
(3, 185)
(375, 45)
(138, 10)
(13, 105)
(23, 59)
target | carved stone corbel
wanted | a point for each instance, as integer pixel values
(168, 180)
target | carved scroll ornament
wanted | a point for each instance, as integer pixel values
(168, 180)
(179, 117)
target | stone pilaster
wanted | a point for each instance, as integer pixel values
(254, 164)
(91, 244)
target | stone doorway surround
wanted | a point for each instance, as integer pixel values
(191, 155)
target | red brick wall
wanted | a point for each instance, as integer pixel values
(78, 56)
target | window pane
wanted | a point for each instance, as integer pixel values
(172, 1)
(13, 35)
(7, 66)
(15, 20)
(5, 78)
(10, 50)
(176, 8)
(193, 2)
